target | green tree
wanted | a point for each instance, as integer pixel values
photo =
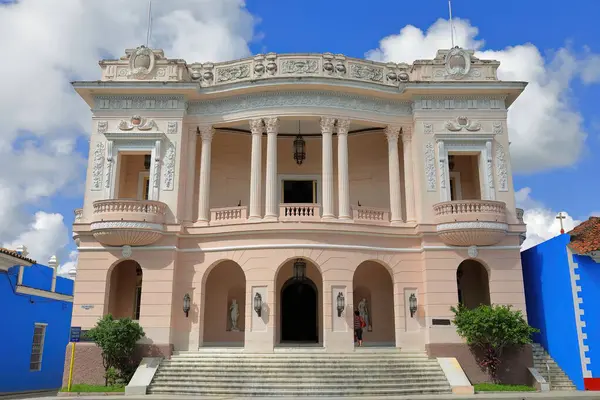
(492, 329)
(116, 338)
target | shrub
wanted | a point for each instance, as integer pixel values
(116, 339)
(492, 329)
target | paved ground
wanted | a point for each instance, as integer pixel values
(488, 396)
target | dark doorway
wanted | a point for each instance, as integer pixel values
(299, 192)
(299, 313)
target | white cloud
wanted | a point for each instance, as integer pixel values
(65, 268)
(542, 121)
(54, 42)
(541, 221)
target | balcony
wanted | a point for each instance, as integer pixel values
(299, 212)
(471, 222)
(128, 222)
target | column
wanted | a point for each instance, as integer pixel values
(392, 133)
(408, 174)
(343, 179)
(206, 133)
(257, 128)
(327, 132)
(271, 208)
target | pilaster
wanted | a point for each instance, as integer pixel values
(392, 133)
(327, 124)
(206, 133)
(408, 173)
(343, 178)
(257, 129)
(271, 206)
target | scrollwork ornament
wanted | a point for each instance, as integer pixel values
(497, 127)
(501, 170)
(126, 251)
(172, 127)
(299, 66)
(98, 166)
(430, 167)
(142, 124)
(169, 168)
(427, 128)
(461, 122)
(102, 127)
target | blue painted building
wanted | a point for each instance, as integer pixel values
(36, 317)
(562, 292)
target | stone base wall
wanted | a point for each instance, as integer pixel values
(512, 371)
(88, 366)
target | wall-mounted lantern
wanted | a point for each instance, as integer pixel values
(341, 303)
(186, 304)
(300, 269)
(258, 304)
(412, 301)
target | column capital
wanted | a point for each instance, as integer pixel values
(327, 124)
(256, 126)
(206, 132)
(392, 133)
(272, 125)
(343, 124)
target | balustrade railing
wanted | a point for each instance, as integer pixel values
(228, 215)
(129, 206)
(461, 207)
(370, 215)
(300, 212)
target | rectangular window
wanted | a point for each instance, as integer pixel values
(37, 347)
(299, 191)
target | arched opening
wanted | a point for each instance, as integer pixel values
(299, 299)
(373, 296)
(473, 284)
(224, 305)
(125, 290)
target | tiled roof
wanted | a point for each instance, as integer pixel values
(585, 237)
(16, 255)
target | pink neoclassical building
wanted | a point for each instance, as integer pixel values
(275, 195)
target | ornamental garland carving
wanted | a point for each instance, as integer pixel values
(316, 99)
(172, 127)
(430, 167)
(169, 167)
(310, 66)
(102, 127)
(98, 166)
(109, 164)
(501, 169)
(462, 122)
(138, 122)
(442, 164)
(233, 73)
(365, 72)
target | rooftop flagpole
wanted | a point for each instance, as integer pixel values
(451, 23)
(149, 31)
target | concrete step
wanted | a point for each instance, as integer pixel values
(550, 370)
(300, 374)
(312, 380)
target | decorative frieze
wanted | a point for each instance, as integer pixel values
(315, 99)
(459, 103)
(366, 72)
(169, 167)
(501, 168)
(132, 102)
(98, 166)
(430, 169)
(300, 66)
(233, 73)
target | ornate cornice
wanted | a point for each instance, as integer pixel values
(139, 102)
(449, 102)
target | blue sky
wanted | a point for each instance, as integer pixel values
(77, 32)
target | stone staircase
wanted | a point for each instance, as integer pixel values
(557, 379)
(299, 373)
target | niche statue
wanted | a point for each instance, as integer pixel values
(234, 314)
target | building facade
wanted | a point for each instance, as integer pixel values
(276, 194)
(562, 279)
(36, 311)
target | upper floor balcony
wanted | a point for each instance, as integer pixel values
(471, 222)
(130, 222)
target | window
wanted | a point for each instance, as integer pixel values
(138, 294)
(37, 347)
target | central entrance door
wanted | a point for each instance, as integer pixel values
(299, 312)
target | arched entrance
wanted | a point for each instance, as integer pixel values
(299, 311)
(224, 305)
(125, 290)
(472, 282)
(373, 297)
(299, 303)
